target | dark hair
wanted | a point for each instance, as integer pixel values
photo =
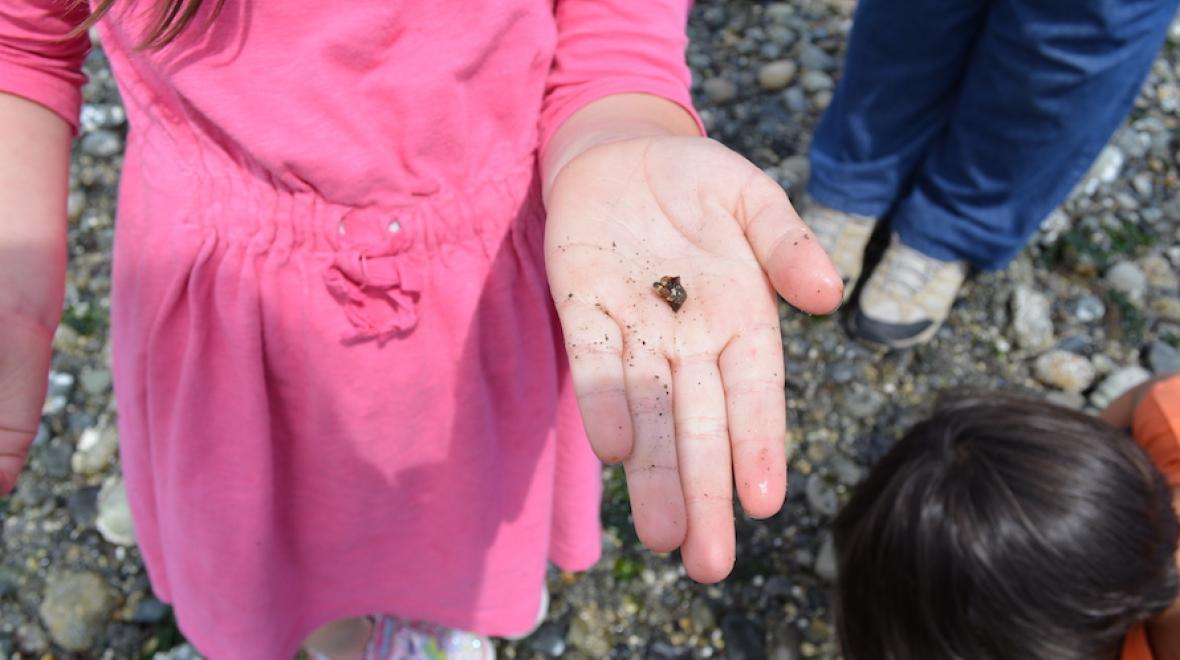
(172, 17)
(1000, 528)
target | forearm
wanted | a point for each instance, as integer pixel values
(34, 170)
(609, 119)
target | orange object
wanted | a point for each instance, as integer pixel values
(1156, 427)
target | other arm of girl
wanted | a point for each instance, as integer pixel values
(40, 77)
(691, 401)
(34, 167)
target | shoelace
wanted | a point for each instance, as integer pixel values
(905, 272)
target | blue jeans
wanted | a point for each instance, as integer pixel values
(969, 121)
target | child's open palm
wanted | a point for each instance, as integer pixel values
(690, 401)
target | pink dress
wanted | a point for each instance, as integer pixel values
(341, 383)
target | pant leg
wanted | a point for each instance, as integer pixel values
(1047, 85)
(903, 66)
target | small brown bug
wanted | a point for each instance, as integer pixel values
(670, 289)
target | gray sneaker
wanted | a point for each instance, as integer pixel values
(907, 298)
(844, 237)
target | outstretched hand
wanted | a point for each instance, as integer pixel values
(690, 401)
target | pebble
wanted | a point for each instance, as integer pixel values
(587, 632)
(1031, 320)
(55, 459)
(822, 496)
(814, 57)
(82, 505)
(825, 559)
(548, 640)
(841, 372)
(1167, 307)
(75, 204)
(95, 381)
(1064, 370)
(1143, 185)
(1159, 273)
(720, 90)
(150, 611)
(1089, 308)
(1127, 278)
(1163, 358)
(114, 513)
(1106, 168)
(743, 639)
(182, 652)
(814, 81)
(777, 75)
(847, 471)
(102, 143)
(1117, 384)
(96, 450)
(863, 401)
(795, 100)
(76, 608)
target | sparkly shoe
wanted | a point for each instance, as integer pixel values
(396, 639)
(907, 298)
(844, 237)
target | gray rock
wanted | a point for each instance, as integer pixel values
(75, 204)
(150, 611)
(847, 472)
(825, 559)
(1117, 384)
(182, 652)
(1071, 400)
(588, 632)
(814, 57)
(795, 100)
(863, 401)
(797, 169)
(114, 513)
(82, 505)
(777, 75)
(814, 81)
(720, 90)
(102, 143)
(1127, 278)
(1064, 370)
(1159, 273)
(1089, 308)
(548, 640)
(743, 638)
(76, 608)
(97, 449)
(822, 496)
(1106, 169)
(779, 12)
(1143, 185)
(95, 381)
(841, 372)
(55, 459)
(1163, 358)
(31, 638)
(1031, 320)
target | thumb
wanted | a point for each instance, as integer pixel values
(787, 249)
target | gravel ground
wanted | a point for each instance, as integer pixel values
(1090, 308)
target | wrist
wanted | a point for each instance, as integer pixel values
(610, 119)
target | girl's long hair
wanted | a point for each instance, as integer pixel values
(171, 18)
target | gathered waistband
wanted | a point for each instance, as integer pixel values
(242, 207)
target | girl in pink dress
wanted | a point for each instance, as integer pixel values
(343, 384)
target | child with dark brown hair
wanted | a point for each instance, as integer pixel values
(1003, 527)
